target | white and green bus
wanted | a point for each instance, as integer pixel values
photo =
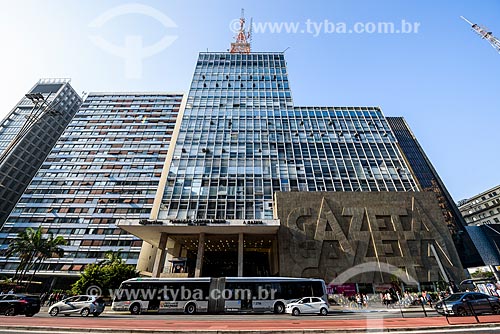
(214, 295)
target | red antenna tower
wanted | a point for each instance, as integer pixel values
(485, 34)
(242, 43)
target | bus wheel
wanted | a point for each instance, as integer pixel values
(135, 309)
(279, 308)
(190, 308)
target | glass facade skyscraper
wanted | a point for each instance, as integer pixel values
(242, 139)
(28, 133)
(106, 166)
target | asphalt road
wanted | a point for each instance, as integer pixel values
(334, 314)
(456, 331)
(357, 322)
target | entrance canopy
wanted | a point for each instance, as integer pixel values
(150, 230)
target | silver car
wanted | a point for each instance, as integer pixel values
(82, 304)
(307, 305)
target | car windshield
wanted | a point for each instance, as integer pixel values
(455, 297)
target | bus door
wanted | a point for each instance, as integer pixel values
(154, 298)
(245, 296)
(216, 301)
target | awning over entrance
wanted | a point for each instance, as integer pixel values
(150, 230)
(210, 247)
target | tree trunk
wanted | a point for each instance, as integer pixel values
(29, 264)
(36, 266)
(20, 270)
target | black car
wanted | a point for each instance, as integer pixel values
(465, 303)
(14, 304)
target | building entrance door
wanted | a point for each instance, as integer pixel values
(221, 256)
(220, 264)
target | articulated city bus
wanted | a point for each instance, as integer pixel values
(214, 295)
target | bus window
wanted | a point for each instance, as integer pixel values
(317, 288)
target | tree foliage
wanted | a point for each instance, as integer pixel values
(479, 273)
(107, 274)
(32, 249)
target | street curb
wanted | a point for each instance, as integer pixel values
(242, 331)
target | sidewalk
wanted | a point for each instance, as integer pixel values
(382, 308)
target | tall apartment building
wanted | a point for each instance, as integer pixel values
(106, 166)
(429, 180)
(28, 133)
(483, 208)
(482, 215)
(244, 152)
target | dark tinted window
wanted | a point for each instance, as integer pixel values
(455, 297)
(317, 289)
(46, 88)
(479, 296)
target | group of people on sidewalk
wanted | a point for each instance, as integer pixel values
(47, 299)
(10, 291)
(407, 299)
(388, 299)
(361, 300)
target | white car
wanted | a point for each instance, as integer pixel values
(83, 305)
(307, 305)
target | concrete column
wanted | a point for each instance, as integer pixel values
(161, 255)
(176, 251)
(495, 272)
(146, 258)
(199, 257)
(275, 267)
(240, 254)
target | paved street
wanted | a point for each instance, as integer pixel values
(445, 330)
(346, 322)
(337, 313)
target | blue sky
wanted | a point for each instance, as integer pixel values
(443, 79)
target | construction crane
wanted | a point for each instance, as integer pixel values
(485, 34)
(242, 43)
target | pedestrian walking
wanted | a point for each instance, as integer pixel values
(359, 301)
